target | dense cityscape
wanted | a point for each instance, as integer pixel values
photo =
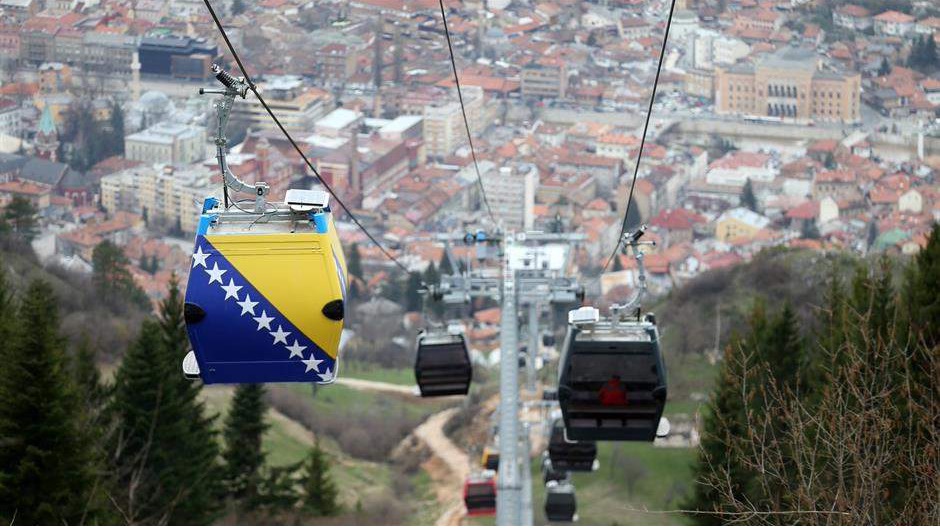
(784, 135)
(776, 124)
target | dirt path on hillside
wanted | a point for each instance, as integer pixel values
(448, 467)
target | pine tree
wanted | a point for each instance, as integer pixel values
(444, 266)
(238, 7)
(783, 350)
(164, 446)
(88, 380)
(243, 456)
(47, 472)
(885, 68)
(412, 293)
(111, 277)
(278, 488)
(919, 329)
(748, 198)
(809, 230)
(116, 122)
(922, 289)
(7, 312)
(431, 275)
(723, 433)
(20, 214)
(319, 491)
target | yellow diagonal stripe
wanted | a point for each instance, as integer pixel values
(296, 273)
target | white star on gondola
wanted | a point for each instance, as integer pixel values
(199, 258)
(264, 321)
(296, 349)
(215, 274)
(248, 307)
(231, 290)
(280, 336)
(327, 375)
(312, 364)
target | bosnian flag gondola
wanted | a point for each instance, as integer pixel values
(267, 286)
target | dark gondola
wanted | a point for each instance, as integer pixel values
(490, 459)
(570, 455)
(560, 503)
(550, 474)
(442, 364)
(479, 496)
(612, 384)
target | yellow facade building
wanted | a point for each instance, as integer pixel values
(789, 85)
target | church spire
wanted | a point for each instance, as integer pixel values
(47, 137)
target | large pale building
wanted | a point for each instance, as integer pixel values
(544, 81)
(164, 196)
(443, 123)
(789, 85)
(709, 48)
(739, 222)
(297, 106)
(510, 192)
(167, 143)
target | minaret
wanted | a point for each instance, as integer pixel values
(47, 137)
(135, 77)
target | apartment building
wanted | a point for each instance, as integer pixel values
(296, 105)
(789, 84)
(166, 197)
(545, 81)
(167, 143)
(505, 186)
(443, 123)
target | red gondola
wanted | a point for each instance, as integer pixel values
(479, 495)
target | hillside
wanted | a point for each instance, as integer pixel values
(643, 484)
(373, 488)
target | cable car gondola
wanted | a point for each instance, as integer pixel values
(612, 384)
(550, 474)
(548, 340)
(479, 496)
(265, 296)
(490, 459)
(612, 379)
(560, 503)
(570, 455)
(442, 364)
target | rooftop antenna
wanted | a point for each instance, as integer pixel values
(234, 87)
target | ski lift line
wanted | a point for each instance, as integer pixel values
(463, 111)
(254, 90)
(646, 125)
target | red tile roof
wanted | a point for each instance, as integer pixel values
(673, 219)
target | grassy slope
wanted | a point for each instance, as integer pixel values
(604, 498)
(372, 372)
(356, 478)
(339, 399)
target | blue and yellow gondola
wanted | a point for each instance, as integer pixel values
(266, 293)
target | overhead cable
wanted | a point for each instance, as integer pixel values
(254, 90)
(646, 125)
